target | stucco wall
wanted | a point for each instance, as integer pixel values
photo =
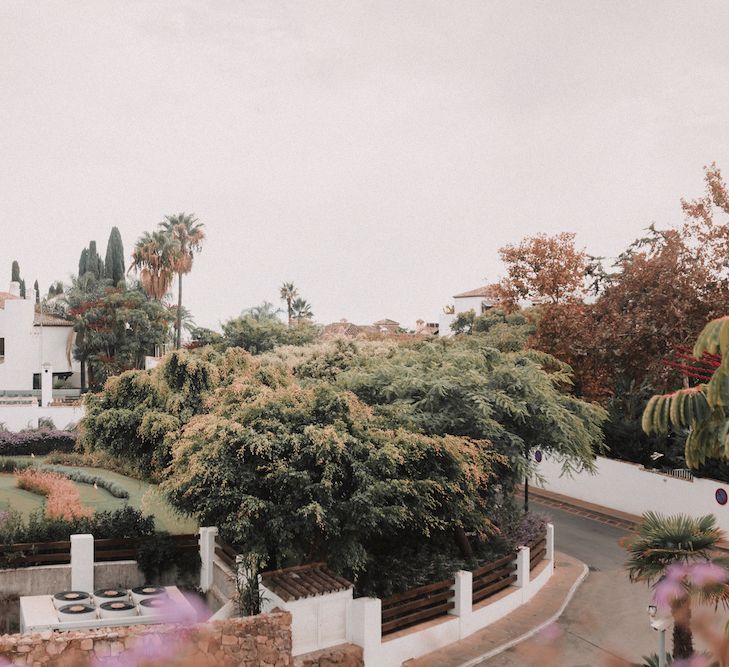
(18, 417)
(628, 487)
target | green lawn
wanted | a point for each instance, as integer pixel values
(142, 495)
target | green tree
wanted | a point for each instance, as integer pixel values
(301, 310)
(15, 272)
(23, 293)
(259, 330)
(188, 234)
(83, 262)
(288, 293)
(36, 289)
(153, 258)
(114, 262)
(702, 410)
(660, 543)
(94, 263)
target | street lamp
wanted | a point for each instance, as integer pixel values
(660, 625)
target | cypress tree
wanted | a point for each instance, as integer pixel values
(83, 263)
(94, 263)
(15, 272)
(22, 289)
(36, 289)
(114, 262)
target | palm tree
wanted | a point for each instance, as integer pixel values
(288, 293)
(266, 311)
(301, 310)
(153, 258)
(189, 236)
(662, 541)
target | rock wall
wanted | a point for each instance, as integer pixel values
(344, 655)
(258, 641)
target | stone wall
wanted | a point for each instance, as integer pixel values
(258, 641)
(344, 655)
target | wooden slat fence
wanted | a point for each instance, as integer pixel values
(225, 552)
(35, 553)
(493, 577)
(537, 551)
(126, 548)
(417, 605)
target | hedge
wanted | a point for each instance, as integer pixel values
(37, 441)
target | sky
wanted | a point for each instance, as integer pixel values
(377, 154)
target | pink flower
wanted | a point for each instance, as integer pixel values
(706, 574)
(550, 633)
(667, 591)
(693, 661)
(677, 571)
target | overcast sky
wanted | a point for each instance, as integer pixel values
(375, 153)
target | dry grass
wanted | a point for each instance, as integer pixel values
(62, 497)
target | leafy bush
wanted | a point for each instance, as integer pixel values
(87, 478)
(11, 465)
(36, 441)
(531, 527)
(46, 424)
(63, 500)
(159, 555)
(118, 524)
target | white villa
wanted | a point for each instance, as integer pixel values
(478, 300)
(33, 344)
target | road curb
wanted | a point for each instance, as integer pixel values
(536, 630)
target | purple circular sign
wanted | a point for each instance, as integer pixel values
(538, 456)
(721, 496)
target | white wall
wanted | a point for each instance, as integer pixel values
(19, 417)
(464, 304)
(628, 487)
(27, 346)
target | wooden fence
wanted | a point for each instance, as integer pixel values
(59, 553)
(537, 551)
(225, 552)
(417, 605)
(493, 577)
(36, 553)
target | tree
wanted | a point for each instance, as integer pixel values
(55, 289)
(22, 289)
(83, 262)
(188, 234)
(94, 263)
(15, 272)
(301, 310)
(264, 312)
(115, 329)
(153, 258)
(660, 544)
(543, 269)
(114, 262)
(288, 293)
(259, 330)
(36, 289)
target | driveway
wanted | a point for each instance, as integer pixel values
(608, 614)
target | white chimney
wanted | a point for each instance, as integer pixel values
(14, 288)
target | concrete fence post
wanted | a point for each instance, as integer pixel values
(364, 627)
(82, 563)
(522, 567)
(207, 556)
(549, 555)
(463, 599)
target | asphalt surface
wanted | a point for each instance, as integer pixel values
(607, 616)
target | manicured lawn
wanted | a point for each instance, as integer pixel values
(142, 495)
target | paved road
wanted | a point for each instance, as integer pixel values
(608, 613)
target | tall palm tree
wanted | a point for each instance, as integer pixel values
(288, 293)
(153, 258)
(265, 312)
(301, 310)
(189, 236)
(663, 541)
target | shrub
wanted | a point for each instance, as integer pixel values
(11, 465)
(36, 441)
(63, 500)
(159, 554)
(46, 424)
(83, 477)
(531, 527)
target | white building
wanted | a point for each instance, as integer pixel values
(478, 300)
(31, 341)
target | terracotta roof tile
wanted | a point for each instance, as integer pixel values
(303, 581)
(487, 291)
(50, 321)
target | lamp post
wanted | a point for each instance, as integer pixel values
(660, 625)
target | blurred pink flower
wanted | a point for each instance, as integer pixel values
(677, 571)
(550, 633)
(667, 591)
(693, 661)
(706, 574)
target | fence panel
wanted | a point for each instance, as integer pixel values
(225, 552)
(493, 577)
(417, 605)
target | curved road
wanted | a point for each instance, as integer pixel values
(607, 616)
